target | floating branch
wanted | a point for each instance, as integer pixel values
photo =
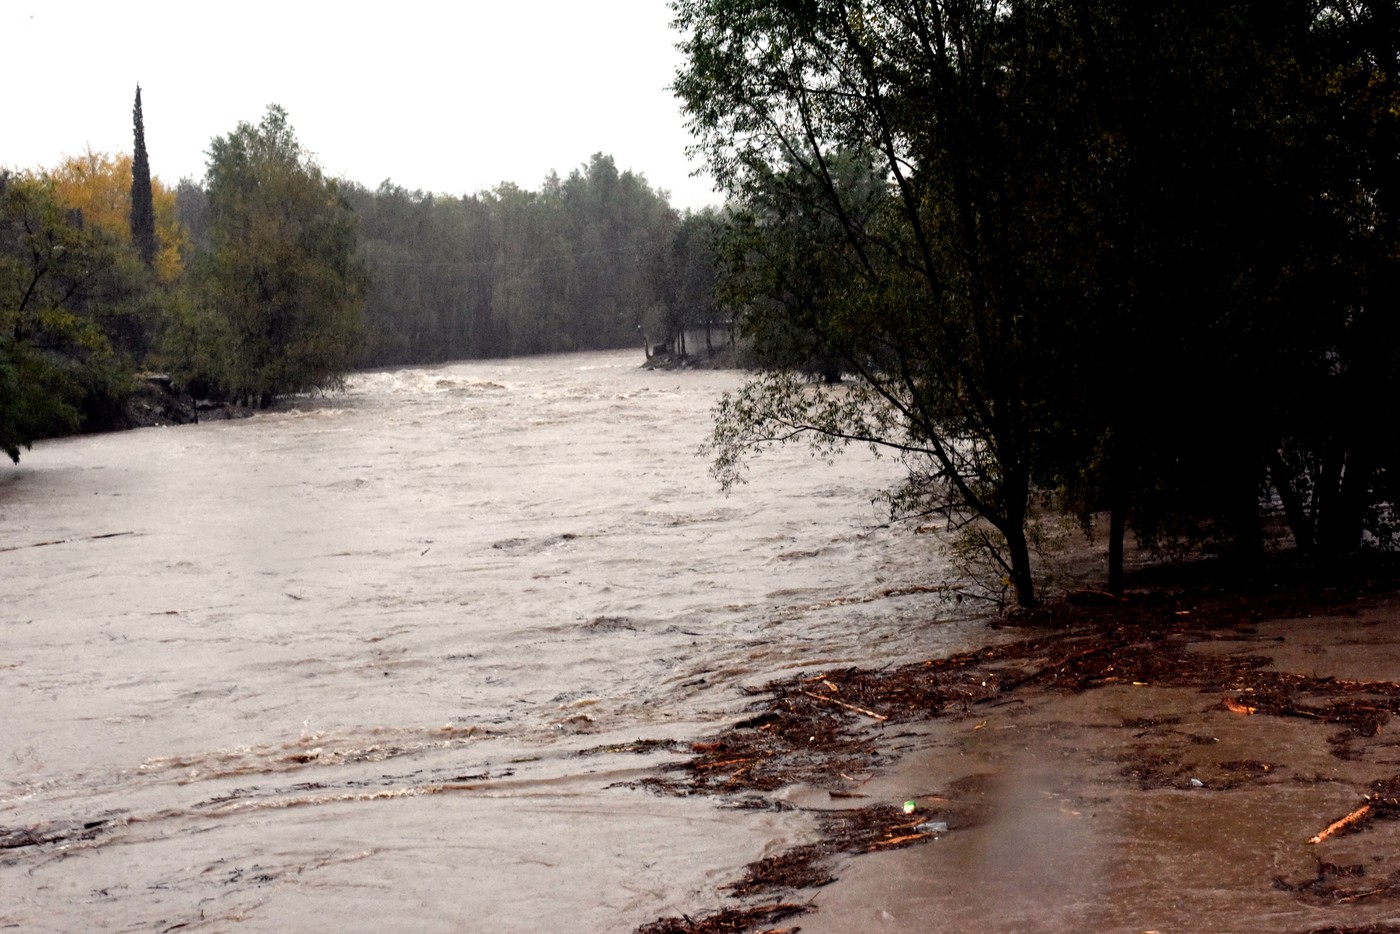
(860, 710)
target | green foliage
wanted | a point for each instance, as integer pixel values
(685, 284)
(63, 287)
(263, 286)
(35, 398)
(787, 266)
(427, 300)
(197, 346)
(281, 276)
(1244, 241)
(1093, 254)
(896, 171)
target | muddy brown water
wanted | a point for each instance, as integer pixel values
(380, 659)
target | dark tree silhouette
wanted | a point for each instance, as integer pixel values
(143, 212)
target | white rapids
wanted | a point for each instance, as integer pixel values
(379, 659)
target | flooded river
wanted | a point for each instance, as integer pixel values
(372, 660)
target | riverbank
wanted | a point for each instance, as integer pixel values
(1163, 764)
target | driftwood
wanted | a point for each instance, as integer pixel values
(725, 763)
(726, 920)
(860, 710)
(1352, 818)
(896, 841)
(1235, 706)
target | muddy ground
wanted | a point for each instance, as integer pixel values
(1213, 753)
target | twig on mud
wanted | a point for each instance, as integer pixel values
(1235, 706)
(896, 841)
(710, 766)
(65, 541)
(1344, 822)
(860, 710)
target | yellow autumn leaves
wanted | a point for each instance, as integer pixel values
(99, 185)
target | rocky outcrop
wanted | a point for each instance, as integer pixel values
(159, 402)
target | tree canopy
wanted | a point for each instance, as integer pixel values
(281, 286)
(65, 288)
(1081, 255)
(98, 185)
(571, 266)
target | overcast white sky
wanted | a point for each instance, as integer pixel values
(447, 97)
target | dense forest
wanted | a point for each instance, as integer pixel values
(591, 261)
(595, 260)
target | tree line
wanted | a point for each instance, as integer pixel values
(99, 280)
(1083, 258)
(268, 278)
(587, 262)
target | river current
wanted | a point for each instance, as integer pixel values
(380, 659)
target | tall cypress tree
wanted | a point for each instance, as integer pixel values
(143, 212)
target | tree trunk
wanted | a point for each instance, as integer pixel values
(1300, 522)
(1340, 525)
(1118, 486)
(1242, 511)
(1117, 528)
(1018, 553)
(1326, 501)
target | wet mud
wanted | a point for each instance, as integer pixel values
(1137, 765)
